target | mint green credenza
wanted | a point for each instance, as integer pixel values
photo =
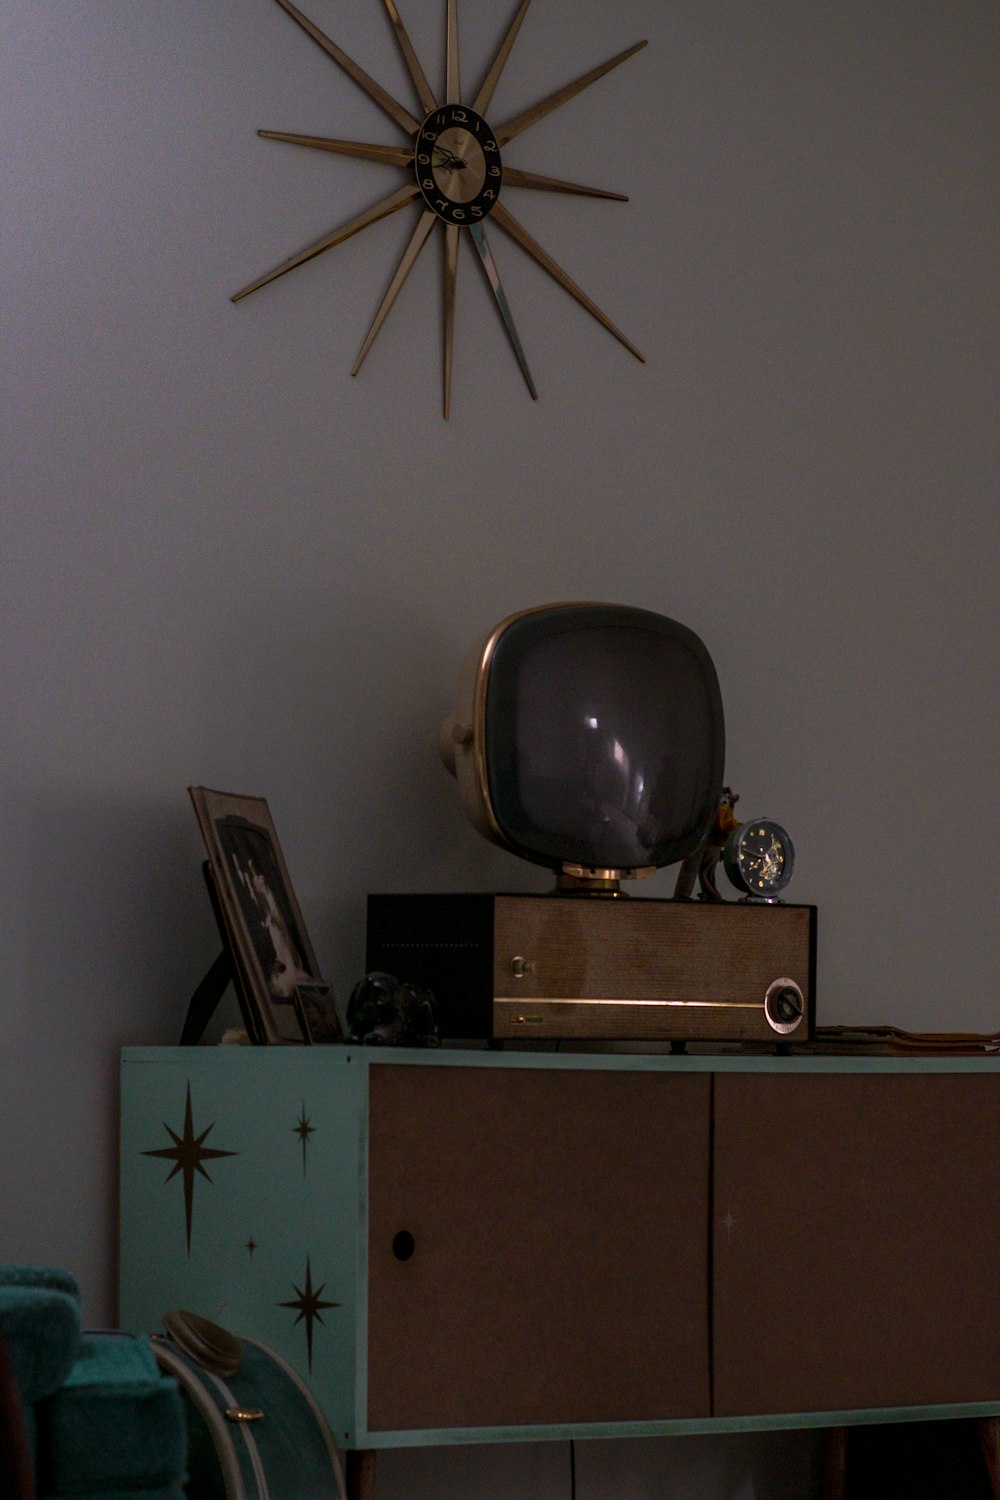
(474, 1246)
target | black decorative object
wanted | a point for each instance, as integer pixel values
(383, 1012)
(317, 1012)
(759, 858)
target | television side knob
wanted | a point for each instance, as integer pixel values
(520, 966)
(784, 1006)
(452, 734)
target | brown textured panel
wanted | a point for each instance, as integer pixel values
(643, 950)
(560, 1269)
(857, 1241)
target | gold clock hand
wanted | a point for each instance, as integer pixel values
(451, 162)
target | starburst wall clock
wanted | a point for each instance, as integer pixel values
(457, 177)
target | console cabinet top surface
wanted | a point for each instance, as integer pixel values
(472, 1245)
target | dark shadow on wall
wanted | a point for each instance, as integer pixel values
(109, 930)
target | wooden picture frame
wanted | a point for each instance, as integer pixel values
(267, 937)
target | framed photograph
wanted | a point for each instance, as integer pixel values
(267, 936)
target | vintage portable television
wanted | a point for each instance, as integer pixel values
(590, 738)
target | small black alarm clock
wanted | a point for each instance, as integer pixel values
(759, 858)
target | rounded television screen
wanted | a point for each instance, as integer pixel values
(603, 737)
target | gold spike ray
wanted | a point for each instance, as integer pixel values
(507, 221)
(423, 88)
(374, 90)
(513, 177)
(537, 112)
(452, 85)
(493, 277)
(393, 156)
(451, 242)
(381, 210)
(418, 240)
(489, 83)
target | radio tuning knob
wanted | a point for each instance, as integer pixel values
(784, 1006)
(519, 966)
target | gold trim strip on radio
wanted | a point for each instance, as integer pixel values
(525, 1003)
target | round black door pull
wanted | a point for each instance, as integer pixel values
(403, 1245)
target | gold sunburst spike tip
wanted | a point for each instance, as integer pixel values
(418, 240)
(520, 234)
(424, 92)
(392, 156)
(486, 90)
(374, 90)
(452, 81)
(522, 122)
(385, 206)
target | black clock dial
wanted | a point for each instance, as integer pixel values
(759, 858)
(457, 163)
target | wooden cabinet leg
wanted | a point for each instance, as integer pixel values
(360, 1473)
(834, 1463)
(989, 1436)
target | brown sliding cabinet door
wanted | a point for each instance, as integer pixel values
(538, 1246)
(856, 1240)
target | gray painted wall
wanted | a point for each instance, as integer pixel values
(226, 561)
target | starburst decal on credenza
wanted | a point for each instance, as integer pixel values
(189, 1153)
(309, 1305)
(303, 1128)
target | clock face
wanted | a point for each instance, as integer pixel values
(457, 164)
(759, 858)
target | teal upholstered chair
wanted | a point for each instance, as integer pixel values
(91, 1412)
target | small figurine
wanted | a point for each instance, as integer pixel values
(383, 1012)
(704, 861)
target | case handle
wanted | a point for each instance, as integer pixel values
(206, 1343)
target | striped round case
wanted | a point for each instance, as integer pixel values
(255, 1434)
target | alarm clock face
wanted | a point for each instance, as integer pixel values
(457, 162)
(759, 859)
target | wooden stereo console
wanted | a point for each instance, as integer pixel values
(592, 967)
